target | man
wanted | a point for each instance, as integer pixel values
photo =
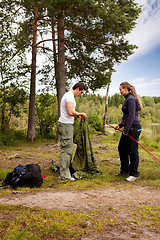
(65, 127)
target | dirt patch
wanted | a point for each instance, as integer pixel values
(90, 199)
(112, 202)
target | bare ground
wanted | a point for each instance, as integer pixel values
(121, 201)
(89, 199)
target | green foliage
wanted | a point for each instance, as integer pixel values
(3, 174)
(12, 98)
(156, 99)
(151, 114)
(92, 104)
(114, 115)
(148, 101)
(115, 100)
(95, 36)
(14, 67)
(95, 121)
(46, 115)
(12, 137)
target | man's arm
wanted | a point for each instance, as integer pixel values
(71, 112)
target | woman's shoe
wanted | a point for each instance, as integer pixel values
(131, 178)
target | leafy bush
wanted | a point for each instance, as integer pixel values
(3, 174)
(11, 137)
(95, 121)
(46, 115)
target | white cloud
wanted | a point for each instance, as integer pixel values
(146, 35)
(141, 82)
(112, 90)
(143, 87)
(146, 88)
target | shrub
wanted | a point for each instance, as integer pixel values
(95, 121)
(11, 137)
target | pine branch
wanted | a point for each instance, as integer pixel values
(91, 39)
(46, 41)
(47, 49)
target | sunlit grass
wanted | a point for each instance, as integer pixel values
(107, 157)
(35, 223)
(19, 222)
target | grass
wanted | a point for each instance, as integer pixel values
(35, 223)
(22, 223)
(106, 154)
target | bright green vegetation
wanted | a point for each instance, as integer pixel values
(38, 223)
(94, 106)
(106, 154)
(22, 223)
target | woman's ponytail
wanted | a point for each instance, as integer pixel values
(132, 90)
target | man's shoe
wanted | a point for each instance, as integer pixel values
(70, 178)
(131, 178)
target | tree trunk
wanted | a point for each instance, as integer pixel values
(3, 126)
(61, 83)
(31, 117)
(55, 70)
(106, 108)
(55, 51)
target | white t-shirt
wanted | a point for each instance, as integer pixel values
(64, 117)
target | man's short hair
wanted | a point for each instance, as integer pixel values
(79, 85)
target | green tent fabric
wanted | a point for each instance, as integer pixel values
(84, 163)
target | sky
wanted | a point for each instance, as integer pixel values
(142, 69)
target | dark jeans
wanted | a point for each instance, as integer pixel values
(128, 150)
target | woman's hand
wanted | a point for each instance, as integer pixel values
(116, 127)
(126, 134)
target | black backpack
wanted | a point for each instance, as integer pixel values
(28, 175)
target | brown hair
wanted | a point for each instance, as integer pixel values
(132, 90)
(79, 85)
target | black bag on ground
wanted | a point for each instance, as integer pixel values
(28, 175)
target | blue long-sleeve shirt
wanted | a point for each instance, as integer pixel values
(130, 110)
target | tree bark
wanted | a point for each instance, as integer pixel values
(3, 126)
(61, 82)
(31, 117)
(56, 73)
(106, 108)
(54, 51)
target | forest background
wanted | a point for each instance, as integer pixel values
(46, 114)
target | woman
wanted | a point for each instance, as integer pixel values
(128, 147)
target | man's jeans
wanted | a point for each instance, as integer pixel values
(66, 133)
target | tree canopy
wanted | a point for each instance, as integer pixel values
(79, 39)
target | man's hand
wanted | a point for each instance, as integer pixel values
(71, 112)
(83, 116)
